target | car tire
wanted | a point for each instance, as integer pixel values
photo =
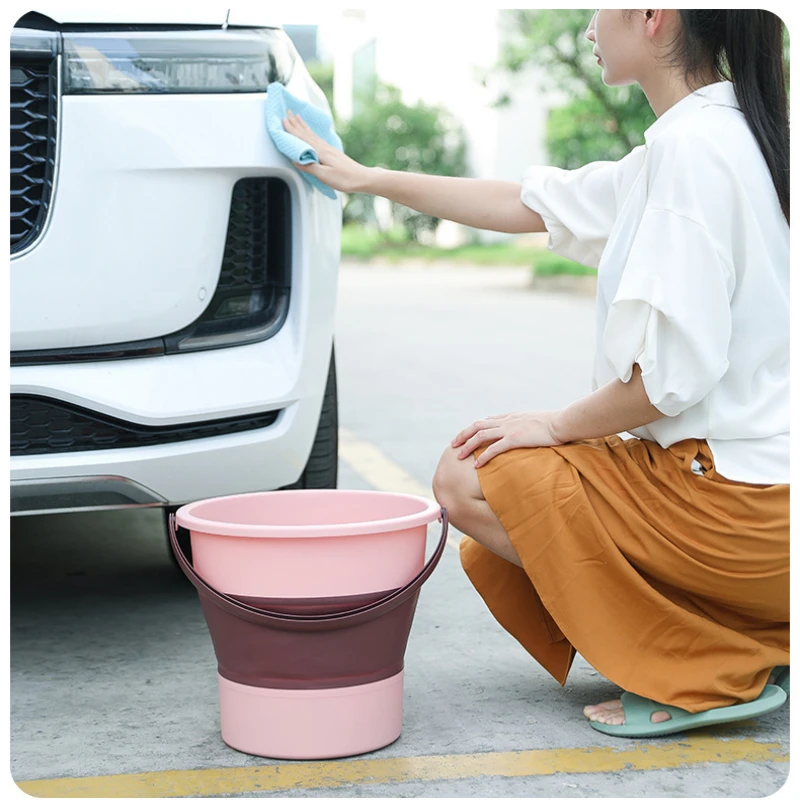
(321, 470)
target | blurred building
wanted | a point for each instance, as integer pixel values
(306, 40)
(445, 58)
(442, 58)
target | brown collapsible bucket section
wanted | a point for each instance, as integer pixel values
(309, 643)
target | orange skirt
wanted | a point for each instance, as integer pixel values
(672, 585)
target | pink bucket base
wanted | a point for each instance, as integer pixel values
(305, 724)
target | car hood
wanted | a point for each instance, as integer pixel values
(170, 14)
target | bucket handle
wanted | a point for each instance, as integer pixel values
(341, 619)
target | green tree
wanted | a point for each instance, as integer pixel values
(582, 131)
(597, 122)
(322, 73)
(387, 133)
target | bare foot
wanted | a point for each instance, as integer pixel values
(612, 713)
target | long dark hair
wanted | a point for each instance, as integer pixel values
(745, 47)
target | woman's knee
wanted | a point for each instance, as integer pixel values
(445, 479)
(455, 481)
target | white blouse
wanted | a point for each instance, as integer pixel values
(692, 252)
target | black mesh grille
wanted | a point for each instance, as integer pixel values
(41, 425)
(34, 104)
(244, 264)
(252, 294)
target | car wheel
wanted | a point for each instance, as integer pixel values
(322, 467)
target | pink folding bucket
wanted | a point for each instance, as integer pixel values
(309, 596)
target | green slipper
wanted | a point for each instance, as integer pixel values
(638, 710)
(781, 675)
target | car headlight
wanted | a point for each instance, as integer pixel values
(182, 62)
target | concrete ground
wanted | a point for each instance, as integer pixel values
(113, 683)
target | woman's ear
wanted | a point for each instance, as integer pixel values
(656, 20)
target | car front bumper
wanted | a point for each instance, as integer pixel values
(133, 242)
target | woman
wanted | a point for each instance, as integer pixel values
(662, 557)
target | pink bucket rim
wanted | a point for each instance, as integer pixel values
(429, 512)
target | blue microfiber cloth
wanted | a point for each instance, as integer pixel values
(278, 102)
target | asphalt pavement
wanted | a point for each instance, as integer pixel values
(113, 682)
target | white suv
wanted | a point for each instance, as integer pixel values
(173, 278)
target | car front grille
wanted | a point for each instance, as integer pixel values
(41, 425)
(34, 108)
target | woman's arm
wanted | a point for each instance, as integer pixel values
(613, 408)
(490, 205)
(485, 204)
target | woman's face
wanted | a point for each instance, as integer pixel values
(618, 44)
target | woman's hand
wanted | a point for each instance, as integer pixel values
(335, 169)
(506, 432)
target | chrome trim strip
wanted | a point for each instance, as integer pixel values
(34, 42)
(83, 493)
(147, 348)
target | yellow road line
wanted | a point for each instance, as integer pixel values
(694, 749)
(380, 472)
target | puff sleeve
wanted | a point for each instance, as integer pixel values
(671, 313)
(579, 206)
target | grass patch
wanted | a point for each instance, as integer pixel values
(361, 242)
(547, 263)
(366, 244)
